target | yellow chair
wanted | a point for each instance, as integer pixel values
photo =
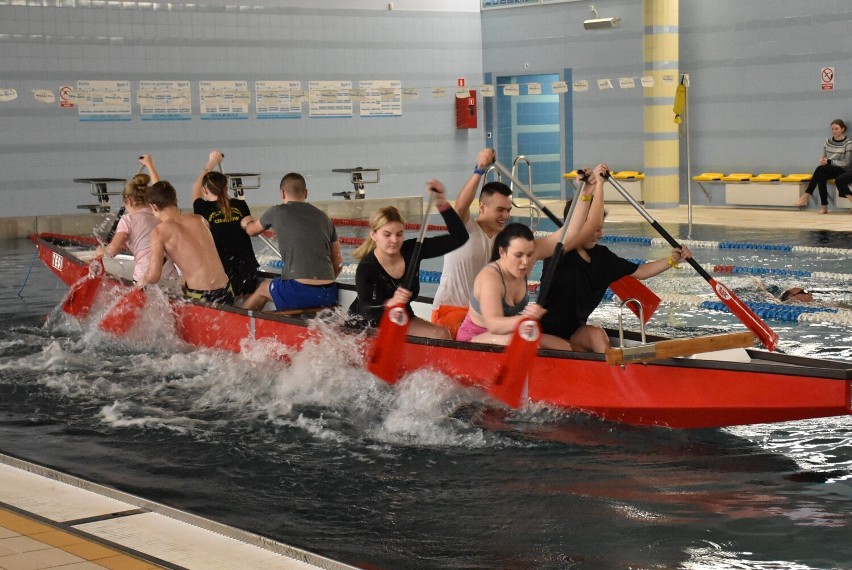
(708, 176)
(737, 177)
(767, 177)
(797, 178)
(628, 175)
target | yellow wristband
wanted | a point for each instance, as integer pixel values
(585, 198)
(672, 263)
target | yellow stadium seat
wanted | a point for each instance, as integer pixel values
(797, 178)
(767, 177)
(737, 177)
(708, 176)
(628, 175)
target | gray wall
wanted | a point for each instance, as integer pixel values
(423, 43)
(755, 98)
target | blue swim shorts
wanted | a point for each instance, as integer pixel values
(290, 294)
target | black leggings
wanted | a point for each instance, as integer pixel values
(822, 174)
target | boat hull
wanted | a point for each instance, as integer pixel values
(676, 393)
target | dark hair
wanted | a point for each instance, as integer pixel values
(217, 184)
(505, 237)
(162, 194)
(495, 188)
(840, 123)
(790, 293)
(296, 184)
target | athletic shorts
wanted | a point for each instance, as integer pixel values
(225, 295)
(449, 316)
(469, 329)
(290, 294)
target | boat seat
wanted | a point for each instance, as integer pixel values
(304, 313)
(678, 347)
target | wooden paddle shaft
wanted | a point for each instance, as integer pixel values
(678, 347)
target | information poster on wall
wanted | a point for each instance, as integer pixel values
(103, 100)
(330, 99)
(165, 100)
(278, 99)
(381, 98)
(224, 99)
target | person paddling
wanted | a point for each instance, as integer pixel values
(187, 240)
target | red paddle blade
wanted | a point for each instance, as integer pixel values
(761, 330)
(631, 288)
(79, 300)
(388, 344)
(509, 384)
(124, 314)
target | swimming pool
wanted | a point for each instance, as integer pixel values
(423, 475)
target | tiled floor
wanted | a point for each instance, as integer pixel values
(27, 544)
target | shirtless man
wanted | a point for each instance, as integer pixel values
(309, 249)
(187, 240)
(462, 265)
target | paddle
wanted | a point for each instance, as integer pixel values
(393, 327)
(78, 301)
(123, 315)
(508, 385)
(761, 330)
(626, 287)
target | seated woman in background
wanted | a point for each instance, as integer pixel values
(836, 160)
(133, 228)
(384, 258)
(210, 200)
(500, 297)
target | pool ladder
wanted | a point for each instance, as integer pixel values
(534, 212)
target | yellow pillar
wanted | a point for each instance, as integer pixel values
(661, 143)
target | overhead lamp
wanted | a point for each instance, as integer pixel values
(598, 23)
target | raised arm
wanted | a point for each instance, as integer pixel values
(457, 234)
(148, 162)
(484, 159)
(213, 160)
(591, 223)
(544, 247)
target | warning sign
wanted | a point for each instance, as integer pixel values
(65, 96)
(827, 78)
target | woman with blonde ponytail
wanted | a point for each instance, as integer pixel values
(384, 257)
(133, 231)
(210, 200)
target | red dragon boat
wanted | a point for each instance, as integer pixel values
(650, 384)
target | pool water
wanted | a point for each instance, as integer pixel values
(426, 474)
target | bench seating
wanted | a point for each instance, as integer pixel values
(770, 189)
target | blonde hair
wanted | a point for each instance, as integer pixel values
(136, 190)
(381, 217)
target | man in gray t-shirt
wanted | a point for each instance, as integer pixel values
(309, 249)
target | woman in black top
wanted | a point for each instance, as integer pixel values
(384, 258)
(210, 200)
